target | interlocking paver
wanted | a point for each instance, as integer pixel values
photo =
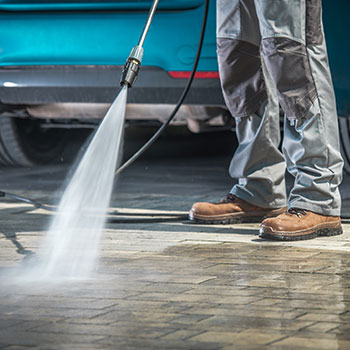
(321, 327)
(310, 316)
(322, 343)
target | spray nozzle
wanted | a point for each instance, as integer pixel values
(132, 67)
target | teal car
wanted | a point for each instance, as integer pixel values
(61, 61)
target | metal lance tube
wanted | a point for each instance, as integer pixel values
(151, 13)
(133, 63)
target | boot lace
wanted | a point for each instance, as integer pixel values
(229, 198)
(297, 211)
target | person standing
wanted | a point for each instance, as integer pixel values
(273, 53)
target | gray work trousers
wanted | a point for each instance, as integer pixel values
(273, 53)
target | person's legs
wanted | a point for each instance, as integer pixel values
(251, 98)
(257, 163)
(313, 158)
(294, 51)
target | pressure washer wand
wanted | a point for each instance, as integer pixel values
(133, 63)
(172, 115)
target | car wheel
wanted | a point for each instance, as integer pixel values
(23, 142)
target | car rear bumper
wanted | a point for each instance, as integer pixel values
(31, 85)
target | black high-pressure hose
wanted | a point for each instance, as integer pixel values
(150, 142)
(26, 200)
(137, 52)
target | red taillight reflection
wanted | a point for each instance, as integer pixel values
(198, 75)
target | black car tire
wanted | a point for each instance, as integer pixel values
(23, 142)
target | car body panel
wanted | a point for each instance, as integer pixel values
(52, 51)
(71, 5)
(99, 84)
(106, 37)
(77, 55)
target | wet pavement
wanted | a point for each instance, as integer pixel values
(164, 283)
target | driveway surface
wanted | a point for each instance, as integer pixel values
(164, 283)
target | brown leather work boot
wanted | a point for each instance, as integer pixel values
(230, 210)
(297, 224)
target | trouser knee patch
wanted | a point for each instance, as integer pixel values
(288, 64)
(241, 76)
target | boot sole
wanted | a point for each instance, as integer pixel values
(235, 219)
(285, 236)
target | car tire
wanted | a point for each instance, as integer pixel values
(23, 142)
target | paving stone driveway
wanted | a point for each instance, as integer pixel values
(164, 283)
